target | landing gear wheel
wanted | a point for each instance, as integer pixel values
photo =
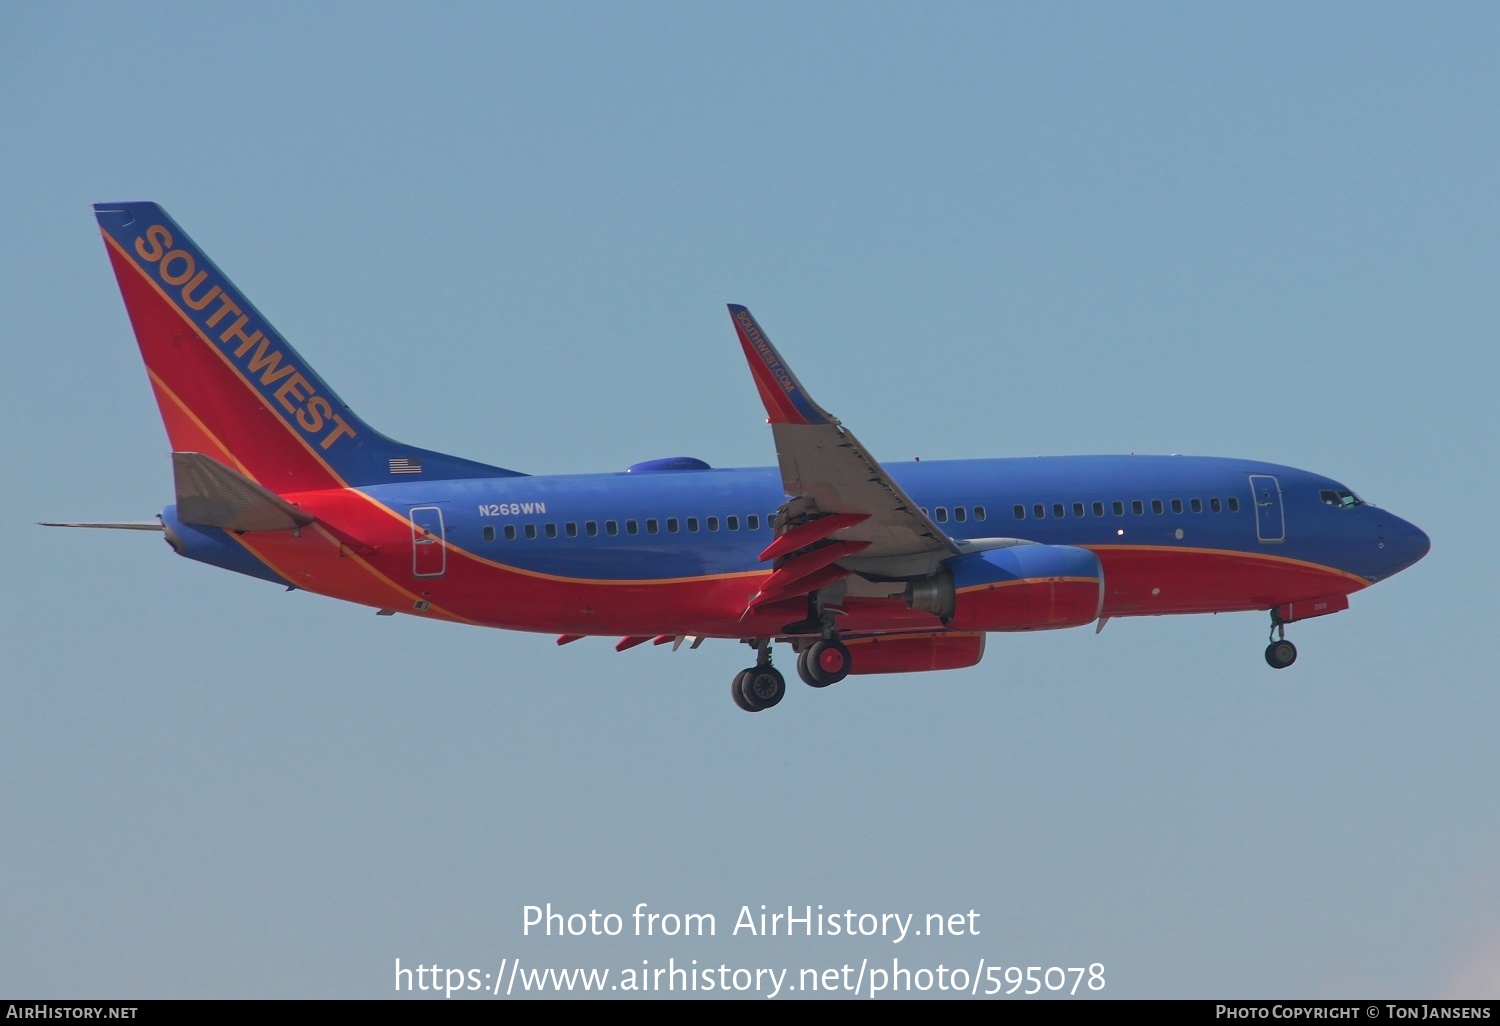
(1281, 654)
(805, 673)
(758, 688)
(825, 663)
(737, 691)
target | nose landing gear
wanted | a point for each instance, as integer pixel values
(1280, 653)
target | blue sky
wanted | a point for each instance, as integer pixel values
(509, 232)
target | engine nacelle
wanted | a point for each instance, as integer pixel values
(914, 653)
(1016, 588)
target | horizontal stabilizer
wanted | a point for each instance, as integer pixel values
(114, 525)
(209, 494)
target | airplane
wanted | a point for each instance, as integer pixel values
(859, 567)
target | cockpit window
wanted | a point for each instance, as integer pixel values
(1342, 498)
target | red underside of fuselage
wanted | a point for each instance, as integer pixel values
(1154, 581)
(377, 570)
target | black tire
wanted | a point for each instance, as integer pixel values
(737, 691)
(763, 687)
(1281, 654)
(805, 671)
(827, 662)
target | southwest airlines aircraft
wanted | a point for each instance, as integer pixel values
(859, 567)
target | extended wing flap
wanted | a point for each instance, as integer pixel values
(211, 495)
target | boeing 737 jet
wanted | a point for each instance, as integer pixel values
(857, 566)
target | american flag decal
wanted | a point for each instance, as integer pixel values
(402, 465)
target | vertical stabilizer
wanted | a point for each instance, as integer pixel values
(229, 386)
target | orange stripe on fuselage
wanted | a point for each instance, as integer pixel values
(491, 593)
(1027, 580)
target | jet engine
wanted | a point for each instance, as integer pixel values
(1015, 588)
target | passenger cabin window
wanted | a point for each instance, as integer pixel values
(1214, 506)
(713, 523)
(1039, 511)
(960, 514)
(1137, 507)
(1020, 512)
(1078, 509)
(733, 523)
(979, 513)
(1118, 508)
(531, 532)
(510, 532)
(1157, 507)
(1197, 505)
(1234, 504)
(692, 525)
(652, 526)
(611, 527)
(1098, 509)
(631, 527)
(941, 515)
(551, 530)
(1342, 498)
(752, 522)
(489, 534)
(570, 529)
(1058, 510)
(672, 525)
(591, 528)
(1176, 505)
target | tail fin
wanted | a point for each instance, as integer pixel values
(229, 386)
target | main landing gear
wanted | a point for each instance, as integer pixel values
(823, 663)
(762, 685)
(1280, 653)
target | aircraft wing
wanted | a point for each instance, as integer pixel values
(826, 471)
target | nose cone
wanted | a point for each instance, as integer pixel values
(1404, 544)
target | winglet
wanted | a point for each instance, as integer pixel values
(786, 401)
